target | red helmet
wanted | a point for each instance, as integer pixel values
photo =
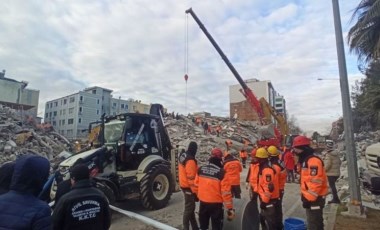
(217, 152)
(300, 141)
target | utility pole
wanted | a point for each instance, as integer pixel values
(355, 206)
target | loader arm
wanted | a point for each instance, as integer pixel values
(247, 92)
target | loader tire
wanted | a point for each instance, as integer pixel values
(107, 191)
(156, 187)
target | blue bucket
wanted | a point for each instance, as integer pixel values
(293, 223)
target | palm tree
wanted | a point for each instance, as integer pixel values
(364, 36)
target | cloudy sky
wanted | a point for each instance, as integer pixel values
(137, 48)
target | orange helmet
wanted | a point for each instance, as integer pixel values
(217, 153)
(300, 141)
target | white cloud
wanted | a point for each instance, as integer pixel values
(136, 48)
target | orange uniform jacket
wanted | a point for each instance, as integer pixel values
(268, 188)
(313, 179)
(213, 186)
(187, 170)
(280, 174)
(232, 168)
(253, 176)
(243, 154)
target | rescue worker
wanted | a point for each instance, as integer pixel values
(84, 207)
(289, 163)
(313, 182)
(243, 156)
(252, 183)
(228, 146)
(268, 190)
(233, 168)
(187, 170)
(280, 177)
(332, 166)
(214, 190)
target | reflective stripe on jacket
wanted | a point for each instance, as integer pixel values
(187, 170)
(313, 178)
(213, 186)
(268, 188)
(232, 168)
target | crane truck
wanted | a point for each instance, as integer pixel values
(270, 135)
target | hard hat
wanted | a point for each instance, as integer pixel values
(329, 144)
(253, 153)
(273, 151)
(262, 153)
(300, 141)
(217, 152)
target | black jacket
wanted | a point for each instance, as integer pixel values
(84, 207)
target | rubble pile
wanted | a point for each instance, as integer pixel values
(184, 129)
(362, 141)
(18, 138)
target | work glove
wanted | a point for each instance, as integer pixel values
(230, 214)
(305, 202)
(263, 205)
(196, 199)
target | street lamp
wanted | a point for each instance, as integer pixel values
(354, 207)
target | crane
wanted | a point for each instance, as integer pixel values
(246, 91)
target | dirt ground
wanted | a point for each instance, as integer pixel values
(348, 223)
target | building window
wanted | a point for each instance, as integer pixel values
(54, 123)
(72, 99)
(97, 111)
(56, 103)
(81, 98)
(126, 107)
(46, 115)
(55, 113)
(64, 101)
(50, 114)
(71, 110)
(63, 122)
(94, 91)
(278, 105)
(70, 132)
(98, 101)
(122, 106)
(70, 121)
(51, 104)
(79, 120)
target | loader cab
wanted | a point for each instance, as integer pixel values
(134, 137)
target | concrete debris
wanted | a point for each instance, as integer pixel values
(184, 130)
(362, 141)
(18, 138)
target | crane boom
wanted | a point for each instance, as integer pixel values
(248, 94)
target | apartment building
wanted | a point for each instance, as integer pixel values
(280, 105)
(71, 115)
(16, 95)
(240, 106)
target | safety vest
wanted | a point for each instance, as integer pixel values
(268, 188)
(213, 186)
(232, 168)
(187, 170)
(313, 178)
(280, 173)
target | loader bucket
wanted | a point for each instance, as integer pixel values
(246, 216)
(266, 131)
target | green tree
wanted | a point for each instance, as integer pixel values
(366, 99)
(364, 36)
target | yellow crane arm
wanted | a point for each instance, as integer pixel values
(270, 112)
